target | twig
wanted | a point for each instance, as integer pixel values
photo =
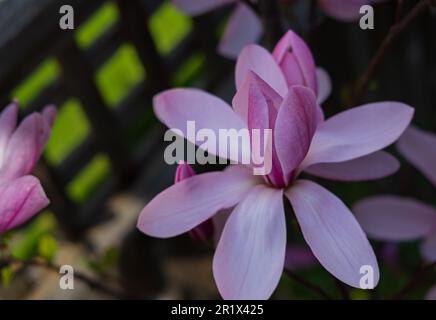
(395, 30)
(92, 283)
(270, 15)
(308, 285)
(414, 281)
(342, 289)
(399, 11)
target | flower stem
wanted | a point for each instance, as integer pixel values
(270, 15)
(91, 282)
(395, 30)
(308, 285)
(413, 283)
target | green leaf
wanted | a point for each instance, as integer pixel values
(47, 247)
(7, 274)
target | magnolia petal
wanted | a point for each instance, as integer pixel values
(324, 85)
(343, 10)
(259, 60)
(428, 246)
(176, 107)
(332, 232)
(394, 218)
(431, 294)
(188, 203)
(358, 132)
(241, 99)
(249, 258)
(243, 28)
(8, 123)
(183, 171)
(419, 148)
(373, 166)
(196, 7)
(49, 115)
(25, 147)
(20, 199)
(296, 61)
(295, 125)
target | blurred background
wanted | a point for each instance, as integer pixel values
(104, 160)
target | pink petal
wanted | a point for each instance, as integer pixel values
(419, 148)
(49, 115)
(240, 101)
(183, 171)
(249, 258)
(299, 257)
(373, 166)
(260, 61)
(197, 7)
(332, 232)
(20, 200)
(295, 125)
(296, 61)
(394, 218)
(176, 107)
(188, 203)
(431, 294)
(344, 10)
(8, 122)
(243, 28)
(358, 132)
(324, 85)
(25, 146)
(428, 246)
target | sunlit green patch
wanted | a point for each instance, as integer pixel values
(96, 25)
(24, 242)
(88, 180)
(117, 77)
(189, 70)
(70, 129)
(168, 27)
(44, 74)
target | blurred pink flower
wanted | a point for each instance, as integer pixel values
(243, 26)
(298, 257)
(395, 218)
(250, 254)
(21, 194)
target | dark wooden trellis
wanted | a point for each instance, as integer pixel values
(30, 33)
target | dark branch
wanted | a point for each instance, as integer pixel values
(396, 29)
(270, 15)
(413, 283)
(92, 283)
(308, 285)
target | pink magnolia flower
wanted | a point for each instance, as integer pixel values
(395, 218)
(250, 255)
(21, 194)
(243, 27)
(298, 66)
